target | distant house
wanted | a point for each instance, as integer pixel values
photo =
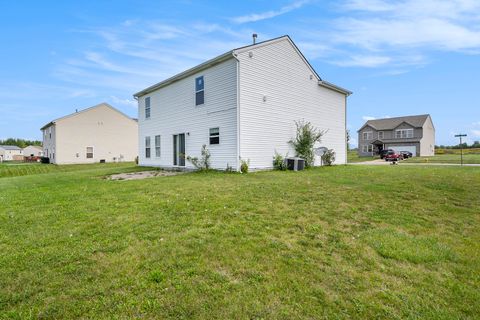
(243, 105)
(35, 151)
(411, 133)
(9, 153)
(97, 134)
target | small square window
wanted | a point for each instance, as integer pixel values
(215, 136)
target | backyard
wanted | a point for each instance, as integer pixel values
(339, 242)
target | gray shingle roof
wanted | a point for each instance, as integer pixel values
(10, 148)
(392, 123)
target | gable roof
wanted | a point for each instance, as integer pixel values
(392, 123)
(35, 147)
(231, 54)
(10, 147)
(103, 104)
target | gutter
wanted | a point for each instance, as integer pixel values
(334, 87)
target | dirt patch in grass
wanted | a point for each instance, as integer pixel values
(143, 175)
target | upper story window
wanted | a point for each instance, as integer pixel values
(147, 108)
(368, 135)
(404, 133)
(199, 91)
(215, 136)
(147, 147)
(380, 134)
(157, 146)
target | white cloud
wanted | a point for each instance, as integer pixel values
(476, 123)
(366, 118)
(270, 14)
(124, 102)
(364, 61)
(476, 133)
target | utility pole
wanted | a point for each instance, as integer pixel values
(461, 146)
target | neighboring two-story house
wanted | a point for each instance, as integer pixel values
(97, 134)
(412, 133)
(243, 105)
(9, 153)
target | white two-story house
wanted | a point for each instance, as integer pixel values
(243, 106)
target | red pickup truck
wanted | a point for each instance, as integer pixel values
(393, 156)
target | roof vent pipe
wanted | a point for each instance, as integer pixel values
(254, 38)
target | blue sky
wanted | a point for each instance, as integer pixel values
(398, 57)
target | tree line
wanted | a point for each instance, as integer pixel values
(475, 144)
(22, 143)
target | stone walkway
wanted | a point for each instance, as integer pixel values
(143, 175)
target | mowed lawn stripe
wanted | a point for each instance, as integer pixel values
(339, 242)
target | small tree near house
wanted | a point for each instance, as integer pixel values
(306, 137)
(204, 162)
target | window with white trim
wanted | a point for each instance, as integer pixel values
(367, 148)
(89, 152)
(215, 135)
(380, 134)
(147, 108)
(157, 146)
(404, 133)
(368, 135)
(199, 91)
(147, 147)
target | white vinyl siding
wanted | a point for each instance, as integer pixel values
(277, 88)
(177, 101)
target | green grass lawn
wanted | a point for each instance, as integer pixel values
(13, 169)
(362, 242)
(352, 156)
(446, 158)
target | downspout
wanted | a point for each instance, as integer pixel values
(238, 111)
(346, 140)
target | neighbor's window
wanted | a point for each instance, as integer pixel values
(404, 133)
(380, 134)
(147, 107)
(367, 148)
(368, 135)
(215, 136)
(89, 152)
(370, 148)
(147, 147)
(199, 91)
(157, 146)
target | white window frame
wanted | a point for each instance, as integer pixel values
(86, 152)
(148, 108)
(214, 135)
(367, 148)
(403, 133)
(158, 149)
(367, 135)
(148, 143)
(201, 90)
(381, 132)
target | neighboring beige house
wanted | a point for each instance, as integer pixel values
(9, 153)
(415, 134)
(97, 134)
(35, 151)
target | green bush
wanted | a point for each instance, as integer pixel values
(306, 137)
(328, 157)
(204, 162)
(279, 162)
(244, 166)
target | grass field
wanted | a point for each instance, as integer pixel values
(352, 156)
(447, 158)
(343, 242)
